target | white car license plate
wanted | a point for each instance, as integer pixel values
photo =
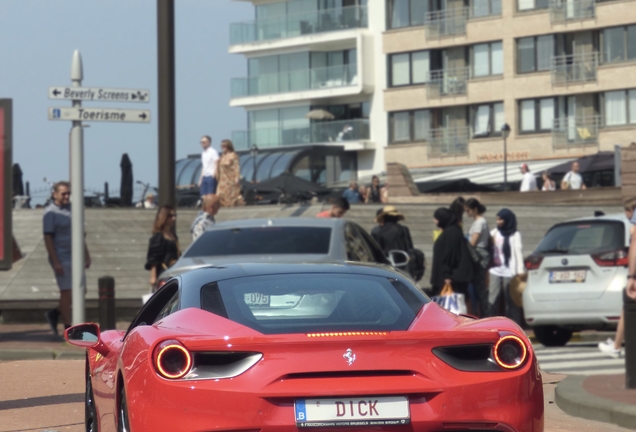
(256, 299)
(576, 276)
(360, 411)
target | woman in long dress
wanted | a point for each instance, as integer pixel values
(229, 176)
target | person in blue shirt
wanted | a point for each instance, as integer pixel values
(352, 195)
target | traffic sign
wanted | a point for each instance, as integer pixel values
(100, 94)
(99, 114)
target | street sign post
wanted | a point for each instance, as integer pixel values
(99, 94)
(77, 114)
(99, 114)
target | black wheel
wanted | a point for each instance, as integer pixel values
(122, 417)
(90, 414)
(552, 336)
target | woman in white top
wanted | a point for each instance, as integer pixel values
(548, 183)
(479, 238)
(507, 263)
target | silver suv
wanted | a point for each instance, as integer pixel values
(576, 277)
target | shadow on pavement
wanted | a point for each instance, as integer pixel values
(41, 401)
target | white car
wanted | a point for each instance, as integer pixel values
(576, 277)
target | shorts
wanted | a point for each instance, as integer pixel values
(208, 185)
(65, 281)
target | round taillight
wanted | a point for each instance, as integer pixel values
(172, 360)
(510, 352)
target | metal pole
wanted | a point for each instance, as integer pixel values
(106, 290)
(77, 199)
(166, 103)
(505, 165)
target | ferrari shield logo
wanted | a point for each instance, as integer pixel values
(349, 356)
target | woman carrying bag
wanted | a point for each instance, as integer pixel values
(451, 259)
(479, 239)
(163, 247)
(507, 264)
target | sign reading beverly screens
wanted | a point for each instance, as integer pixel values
(99, 114)
(99, 94)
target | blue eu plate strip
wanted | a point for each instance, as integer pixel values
(301, 412)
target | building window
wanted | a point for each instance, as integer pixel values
(620, 107)
(481, 8)
(537, 115)
(526, 5)
(535, 53)
(409, 68)
(619, 44)
(487, 59)
(487, 119)
(408, 126)
(406, 13)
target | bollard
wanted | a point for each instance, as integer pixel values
(629, 308)
(106, 286)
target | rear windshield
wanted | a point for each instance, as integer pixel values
(577, 238)
(262, 241)
(307, 303)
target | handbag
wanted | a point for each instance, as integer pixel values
(451, 301)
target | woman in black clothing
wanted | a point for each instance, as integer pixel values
(374, 195)
(163, 247)
(451, 258)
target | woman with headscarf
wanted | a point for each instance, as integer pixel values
(507, 263)
(451, 259)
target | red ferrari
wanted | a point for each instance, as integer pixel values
(281, 347)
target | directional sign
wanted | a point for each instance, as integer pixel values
(100, 94)
(99, 114)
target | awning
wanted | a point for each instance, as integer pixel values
(486, 173)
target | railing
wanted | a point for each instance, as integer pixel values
(575, 131)
(447, 82)
(567, 10)
(574, 68)
(448, 141)
(321, 21)
(298, 80)
(446, 22)
(316, 133)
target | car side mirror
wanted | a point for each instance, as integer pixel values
(398, 258)
(86, 336)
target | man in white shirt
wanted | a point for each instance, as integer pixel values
(529, 182)
(209, 159)
(573, 180)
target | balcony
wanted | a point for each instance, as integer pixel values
(571, 132)
(446, 22)
(448, 141)
(447, 82)
(576, 68)
(562, 11)
(332, 132)
(322, 21)
(295, 81)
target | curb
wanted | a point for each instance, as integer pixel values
(574, 400)
(590, 337)
(25, 354)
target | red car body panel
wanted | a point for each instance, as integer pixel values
(298, 366)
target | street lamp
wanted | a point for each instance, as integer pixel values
(254, 153)
(505, 132)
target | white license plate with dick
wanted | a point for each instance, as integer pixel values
(576, 276)
(362, 411)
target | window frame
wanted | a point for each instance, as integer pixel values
(626, 42)
(490, 59)
(534, 9)
(628, 113)
(410, 66)
(537, 115)
(411, 115)
(410, 14)
(492, 130)
(535, 52)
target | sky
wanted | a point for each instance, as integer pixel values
(117, 41)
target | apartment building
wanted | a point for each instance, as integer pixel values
(336, 89)
(560, 73)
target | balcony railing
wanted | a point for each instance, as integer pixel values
(320, 132)
(446, 22)
(447, 82)
(568, 10)
(298, 80)
(326, 20)
(577, 131)
(448, 141)
(573, 68)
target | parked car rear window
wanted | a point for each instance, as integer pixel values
(308, 303)
(584, 237)
(262, 241)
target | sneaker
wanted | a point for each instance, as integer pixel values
(52, 317)
(607, 347)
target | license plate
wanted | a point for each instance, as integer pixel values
(361, 411)
(256, 299)
(576, 276)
